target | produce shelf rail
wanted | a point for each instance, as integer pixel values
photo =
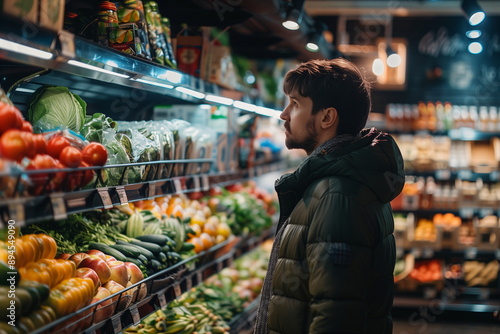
(58, 205)
(127, 308)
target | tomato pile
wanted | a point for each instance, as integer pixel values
(51, 151)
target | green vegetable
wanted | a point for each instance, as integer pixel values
(55, 106)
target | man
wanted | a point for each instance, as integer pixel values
(332, 262)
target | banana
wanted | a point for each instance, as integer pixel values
(188, 330)
(177, 327)
(218, 330)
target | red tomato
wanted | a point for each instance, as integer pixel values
(56, 145)
(27, 127)
(95, 154)
(87, 176)
(30, 144)
(71, 156)
(58, 179)
(12, 145)
(40, 143)
(41, 161)
(8, 117)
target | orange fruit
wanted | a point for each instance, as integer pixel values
(207, 240)
(196, 229)
(210, 227)
(175, 210)
(224, 230)
(198, 244)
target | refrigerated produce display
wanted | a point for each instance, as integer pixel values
(138, 140)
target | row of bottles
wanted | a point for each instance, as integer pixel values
(421, 193)
(438, 116)
(128, 26)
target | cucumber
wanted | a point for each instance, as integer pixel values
(137, 262)
(132, 251)
(166, 249)
(159, 239)
(186, 247)
(173, 257)
(162, 257)
(156, 265)
(153, 248)
(119, 256)
(147, 253)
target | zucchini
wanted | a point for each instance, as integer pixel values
(159, 239)
(153, 248)
(166, 249)
(162, 257)
(147, 253)
(186, 247)
(132, 251)
(173, 257)
(156, 265)
(137, 262)
(119, 256)
(143, 259)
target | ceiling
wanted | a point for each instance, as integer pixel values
(394, 7)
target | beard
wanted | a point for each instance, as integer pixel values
(308, 143)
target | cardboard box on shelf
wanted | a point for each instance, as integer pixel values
(27, 10)
(51, 14)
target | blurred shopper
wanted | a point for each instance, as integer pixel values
(331, 267)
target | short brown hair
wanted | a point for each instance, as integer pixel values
(336, 83)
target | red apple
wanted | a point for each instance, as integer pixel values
(109, 258)
(134, 273)
(99, 265)
(64, 256)
(97, 253)
(90, 273)
(119, 272)
(104, 309)
(115, 287)
(77, 258)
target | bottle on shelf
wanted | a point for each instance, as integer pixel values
(107, 23)
(132, 12)
(165, 22)
(154, 32)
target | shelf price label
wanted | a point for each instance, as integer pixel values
(466, 212)
(122, 194)
(464, 175)
(17, 214)
(58, 206)
(494, 176)
(134, 312)
(196, 183)
(177, 290)
(470, 253)
(117, 324)
(177, 186)
(162, 300)
(105, 198)
(443, 174)
(151, 190)
(205, 182)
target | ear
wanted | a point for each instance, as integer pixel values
(329, 119)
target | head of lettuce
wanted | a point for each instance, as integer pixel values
(56, 106)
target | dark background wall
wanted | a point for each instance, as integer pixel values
(439, 66)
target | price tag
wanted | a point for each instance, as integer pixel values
(162, 300)
(466, 212)
(470, 253)
(494, 176)
(67, 40)
(196, 183)
(122, 194)
(117, 324)
(136, 317)
(105, 198)
(199, 277)
(189, 283)
(58, 206)
(151, 190)
(17, 214)
(465, 175)
(486, 212)
(497, 254)
(177, 290)
(177, 186)
(205, 182)
(443, 174)
(417, 252)
(428, 253)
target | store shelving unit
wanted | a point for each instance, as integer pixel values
(102, 76)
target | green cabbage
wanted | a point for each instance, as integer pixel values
(55, 106)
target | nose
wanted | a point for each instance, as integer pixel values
(284, 114)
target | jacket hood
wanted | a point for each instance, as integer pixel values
(374, 160)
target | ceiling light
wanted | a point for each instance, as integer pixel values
(393, 59)
(293, 15)
(473, 11)
(190, 92)
(378, 66)
(473, 34)
(475, 48)
(95, 68)
(25, 50)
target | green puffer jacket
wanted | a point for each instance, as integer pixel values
(334, 272)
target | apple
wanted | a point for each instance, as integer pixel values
(134, 273)
(64, 256)
(96, 253)
(77, 258)
(90, 273)
(110, 258)
(124, 300)
(99, 265)
(104, 309)
(119, 272)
